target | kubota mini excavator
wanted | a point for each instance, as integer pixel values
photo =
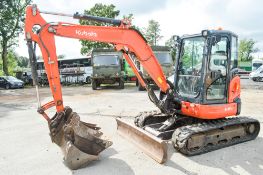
(193, 109)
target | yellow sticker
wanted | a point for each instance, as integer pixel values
(160, 80)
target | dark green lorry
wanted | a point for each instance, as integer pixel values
(163, 54)
(107, 68)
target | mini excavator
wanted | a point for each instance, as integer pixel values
(197, 107)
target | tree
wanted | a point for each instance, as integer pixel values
(1, 67)
(11, 15)
(171, 43)
(129, 17)
(98, 10)
(152, 33)
(246, 48)
(12, 58)
(23, 61)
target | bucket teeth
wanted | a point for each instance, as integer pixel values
(79, 141)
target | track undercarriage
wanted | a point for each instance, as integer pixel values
(193, 136)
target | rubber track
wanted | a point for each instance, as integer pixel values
(149, 117)
(183, 133)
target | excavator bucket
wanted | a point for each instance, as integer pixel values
(80, 142)
(152, 146)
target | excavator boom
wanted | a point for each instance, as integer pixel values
(80, 142)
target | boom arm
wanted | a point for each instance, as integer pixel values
(122, 37)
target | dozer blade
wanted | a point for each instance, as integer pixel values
(80, 142)
(152, 146)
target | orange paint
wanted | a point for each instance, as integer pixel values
(214, 111)
(234, 89)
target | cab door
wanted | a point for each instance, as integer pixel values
(190, 68)
(217, 70)
(234, 79)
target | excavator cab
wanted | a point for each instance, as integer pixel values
(206, 62)
(206, 90)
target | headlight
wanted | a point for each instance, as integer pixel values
(117, 74)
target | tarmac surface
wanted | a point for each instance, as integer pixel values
(26, 148)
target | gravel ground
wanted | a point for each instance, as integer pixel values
(26, 148)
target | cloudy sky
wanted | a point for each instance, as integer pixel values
(244, 17)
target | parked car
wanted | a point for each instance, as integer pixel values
(257, 75)
(8, 82)
(24, 74)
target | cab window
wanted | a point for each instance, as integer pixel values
(190, 66)
(234, 51)
(218, 68)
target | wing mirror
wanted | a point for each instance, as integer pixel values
(176, 40)
(215, 39)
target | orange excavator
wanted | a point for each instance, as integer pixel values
(194, 106)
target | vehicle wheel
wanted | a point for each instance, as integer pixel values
(31, 82)
(7, 86)
(94, 84)
(254, 79)
(121, 84)
(88, 80)
(140, 87)
(258, 79)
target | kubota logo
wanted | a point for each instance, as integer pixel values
(85, 33)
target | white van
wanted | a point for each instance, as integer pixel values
(256, 63)
(257, 75)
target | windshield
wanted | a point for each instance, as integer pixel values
(105, 60)
(259, 69)
(256, 65)
(190, 66)
(163, 57)
(10, 78)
